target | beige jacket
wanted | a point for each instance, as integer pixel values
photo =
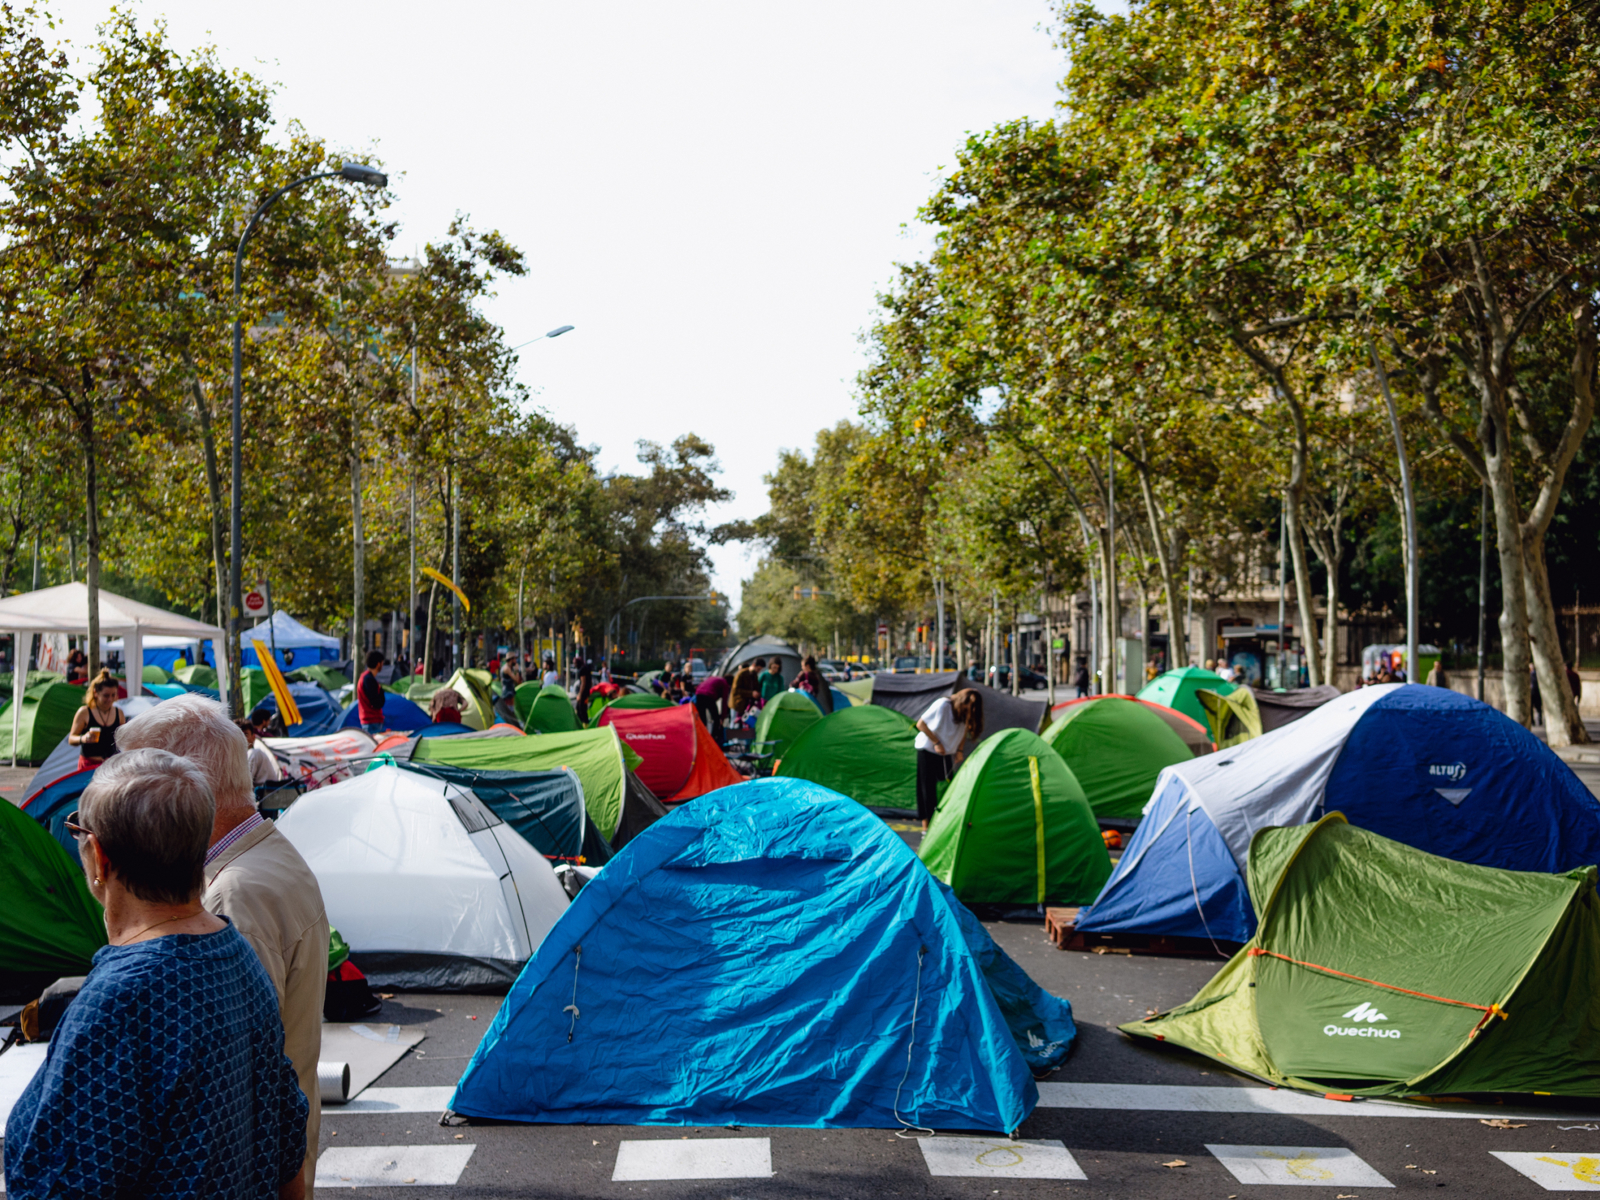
(264, 887)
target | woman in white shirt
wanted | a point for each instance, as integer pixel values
(944, 732)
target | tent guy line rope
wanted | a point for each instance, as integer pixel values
(1194, 884)
(577, 961)
(1488, 1010)
(916, 1004)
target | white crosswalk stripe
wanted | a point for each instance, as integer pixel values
(694, 1158)
(1556, 1170)
(999, 1158)
(1145, 1097)
(392, 1166)
(1306, 1166)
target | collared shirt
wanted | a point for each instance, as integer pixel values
(233, 835)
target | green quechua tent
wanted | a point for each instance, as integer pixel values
(1014, 828)
(1177, 688)
(46, 716)
(155, 674)
(199, 675)
(325, 677)
(1378, 969)
(640, 700)
(49, 924)
(472, 685)
(786, 716)
(1116, 746)
(545, 708)
(618, 804)
(863, 752)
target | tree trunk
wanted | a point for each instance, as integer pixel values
(522, 637)
(208, 443)
(91, 565)
(961, 638)
(425, 651)
(1111, 608)
(1169, 585)
(1297, 543)
(358, 616)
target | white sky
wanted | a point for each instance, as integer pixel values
(712, 192)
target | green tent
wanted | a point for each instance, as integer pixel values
(1378, 969)
(1014, 828)
(863, 752)
(601, 760)
(640, 700)
(1177, 688)
(256, 688)
(786, 716)
(859, 690)
(421, 690)
(47, 712)
(545, 708)
(1232, 717)
(326, 677)
(1116, 747)
(154, 674)
(49, 924)
(199, 675)
(473, 687)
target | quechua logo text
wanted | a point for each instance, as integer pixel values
(1366, 1018)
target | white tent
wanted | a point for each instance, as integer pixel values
(285, 633)
(65, 609)
(431, 890)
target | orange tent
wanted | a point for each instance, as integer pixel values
(680, 759)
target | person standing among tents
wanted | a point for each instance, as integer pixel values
(77, 666)
(1080, 679)
(811, 682)
(446, 707)
(711, 702)
(943, 732)
(771, 681)
(746, 691)
(256, 879)
(95, 725)
(369, 695)
(551, 675)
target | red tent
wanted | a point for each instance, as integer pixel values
(680, 759)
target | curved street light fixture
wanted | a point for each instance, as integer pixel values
(352, 173)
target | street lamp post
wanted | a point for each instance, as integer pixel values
(355, 173)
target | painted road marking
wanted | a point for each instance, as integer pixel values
(694, 1158)
(999, 1158)
(1311, 1166)
(392, 1166)
(395, 1100)
(1555, 1170)
(1145, 1097)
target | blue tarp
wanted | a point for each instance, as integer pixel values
(444, 729)
(53, 803)
(545, 807)
(319, 712)
(399, 714)
(1422, 765)
(766, 955)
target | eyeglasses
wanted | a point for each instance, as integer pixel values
(73, 827)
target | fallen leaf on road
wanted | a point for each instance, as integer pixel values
(1409, 1166)
(1425, 1171)
(1501, 1123)
(1177, 1162)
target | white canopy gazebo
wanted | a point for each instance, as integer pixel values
(65, 609)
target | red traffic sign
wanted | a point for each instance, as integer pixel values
(255, 603)
(883, 631)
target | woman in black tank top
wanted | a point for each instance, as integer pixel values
(94, 728)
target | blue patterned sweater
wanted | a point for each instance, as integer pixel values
(165, 1078)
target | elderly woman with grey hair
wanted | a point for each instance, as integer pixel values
(166, 1075)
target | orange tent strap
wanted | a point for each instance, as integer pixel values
(1488, 1010)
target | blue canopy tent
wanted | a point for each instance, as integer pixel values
(771, 954)
(399, 714)
(1424, 766)
(294, 644)
(319, 712)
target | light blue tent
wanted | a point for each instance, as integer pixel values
(768, 955)
(1421, 765)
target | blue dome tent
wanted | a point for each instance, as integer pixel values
(399, 714)
(770, 954)
(1425, 766)
(319, 712)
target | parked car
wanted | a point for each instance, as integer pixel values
(910, 663)
(834, 670)
(698, 670)
(1028, 680)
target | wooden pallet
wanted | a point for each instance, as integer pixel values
(1061, 926)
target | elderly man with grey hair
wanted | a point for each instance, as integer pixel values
(255, 878)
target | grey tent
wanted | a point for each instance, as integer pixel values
(911, 695)
(1282, 708)
(764, 648)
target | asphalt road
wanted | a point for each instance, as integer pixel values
(1122, 1146)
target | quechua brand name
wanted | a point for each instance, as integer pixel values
(1366, 1018)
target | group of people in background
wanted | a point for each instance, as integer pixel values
(722, 699)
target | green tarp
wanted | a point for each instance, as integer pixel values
(598, 756)
(1177, 688)
(1116, 747)
(786, 716)
(545, 708)
(46, 718)
(49, 924)
(1014, 828)
(862, 752)
(1378, 969)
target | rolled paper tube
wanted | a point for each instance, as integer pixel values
(333, 1080)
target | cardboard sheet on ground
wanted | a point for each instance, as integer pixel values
(369, 1049)
(17, 1066)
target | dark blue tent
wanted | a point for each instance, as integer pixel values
(771, 954)
(1424, 766)
(52, 803)
(399, 714)
(444, 729)
(319, 712)
(545, 807)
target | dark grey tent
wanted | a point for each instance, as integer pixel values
(1282, 708)
(911, 695)
(764, 648)
(545, 807)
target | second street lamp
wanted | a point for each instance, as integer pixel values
(353, 173)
